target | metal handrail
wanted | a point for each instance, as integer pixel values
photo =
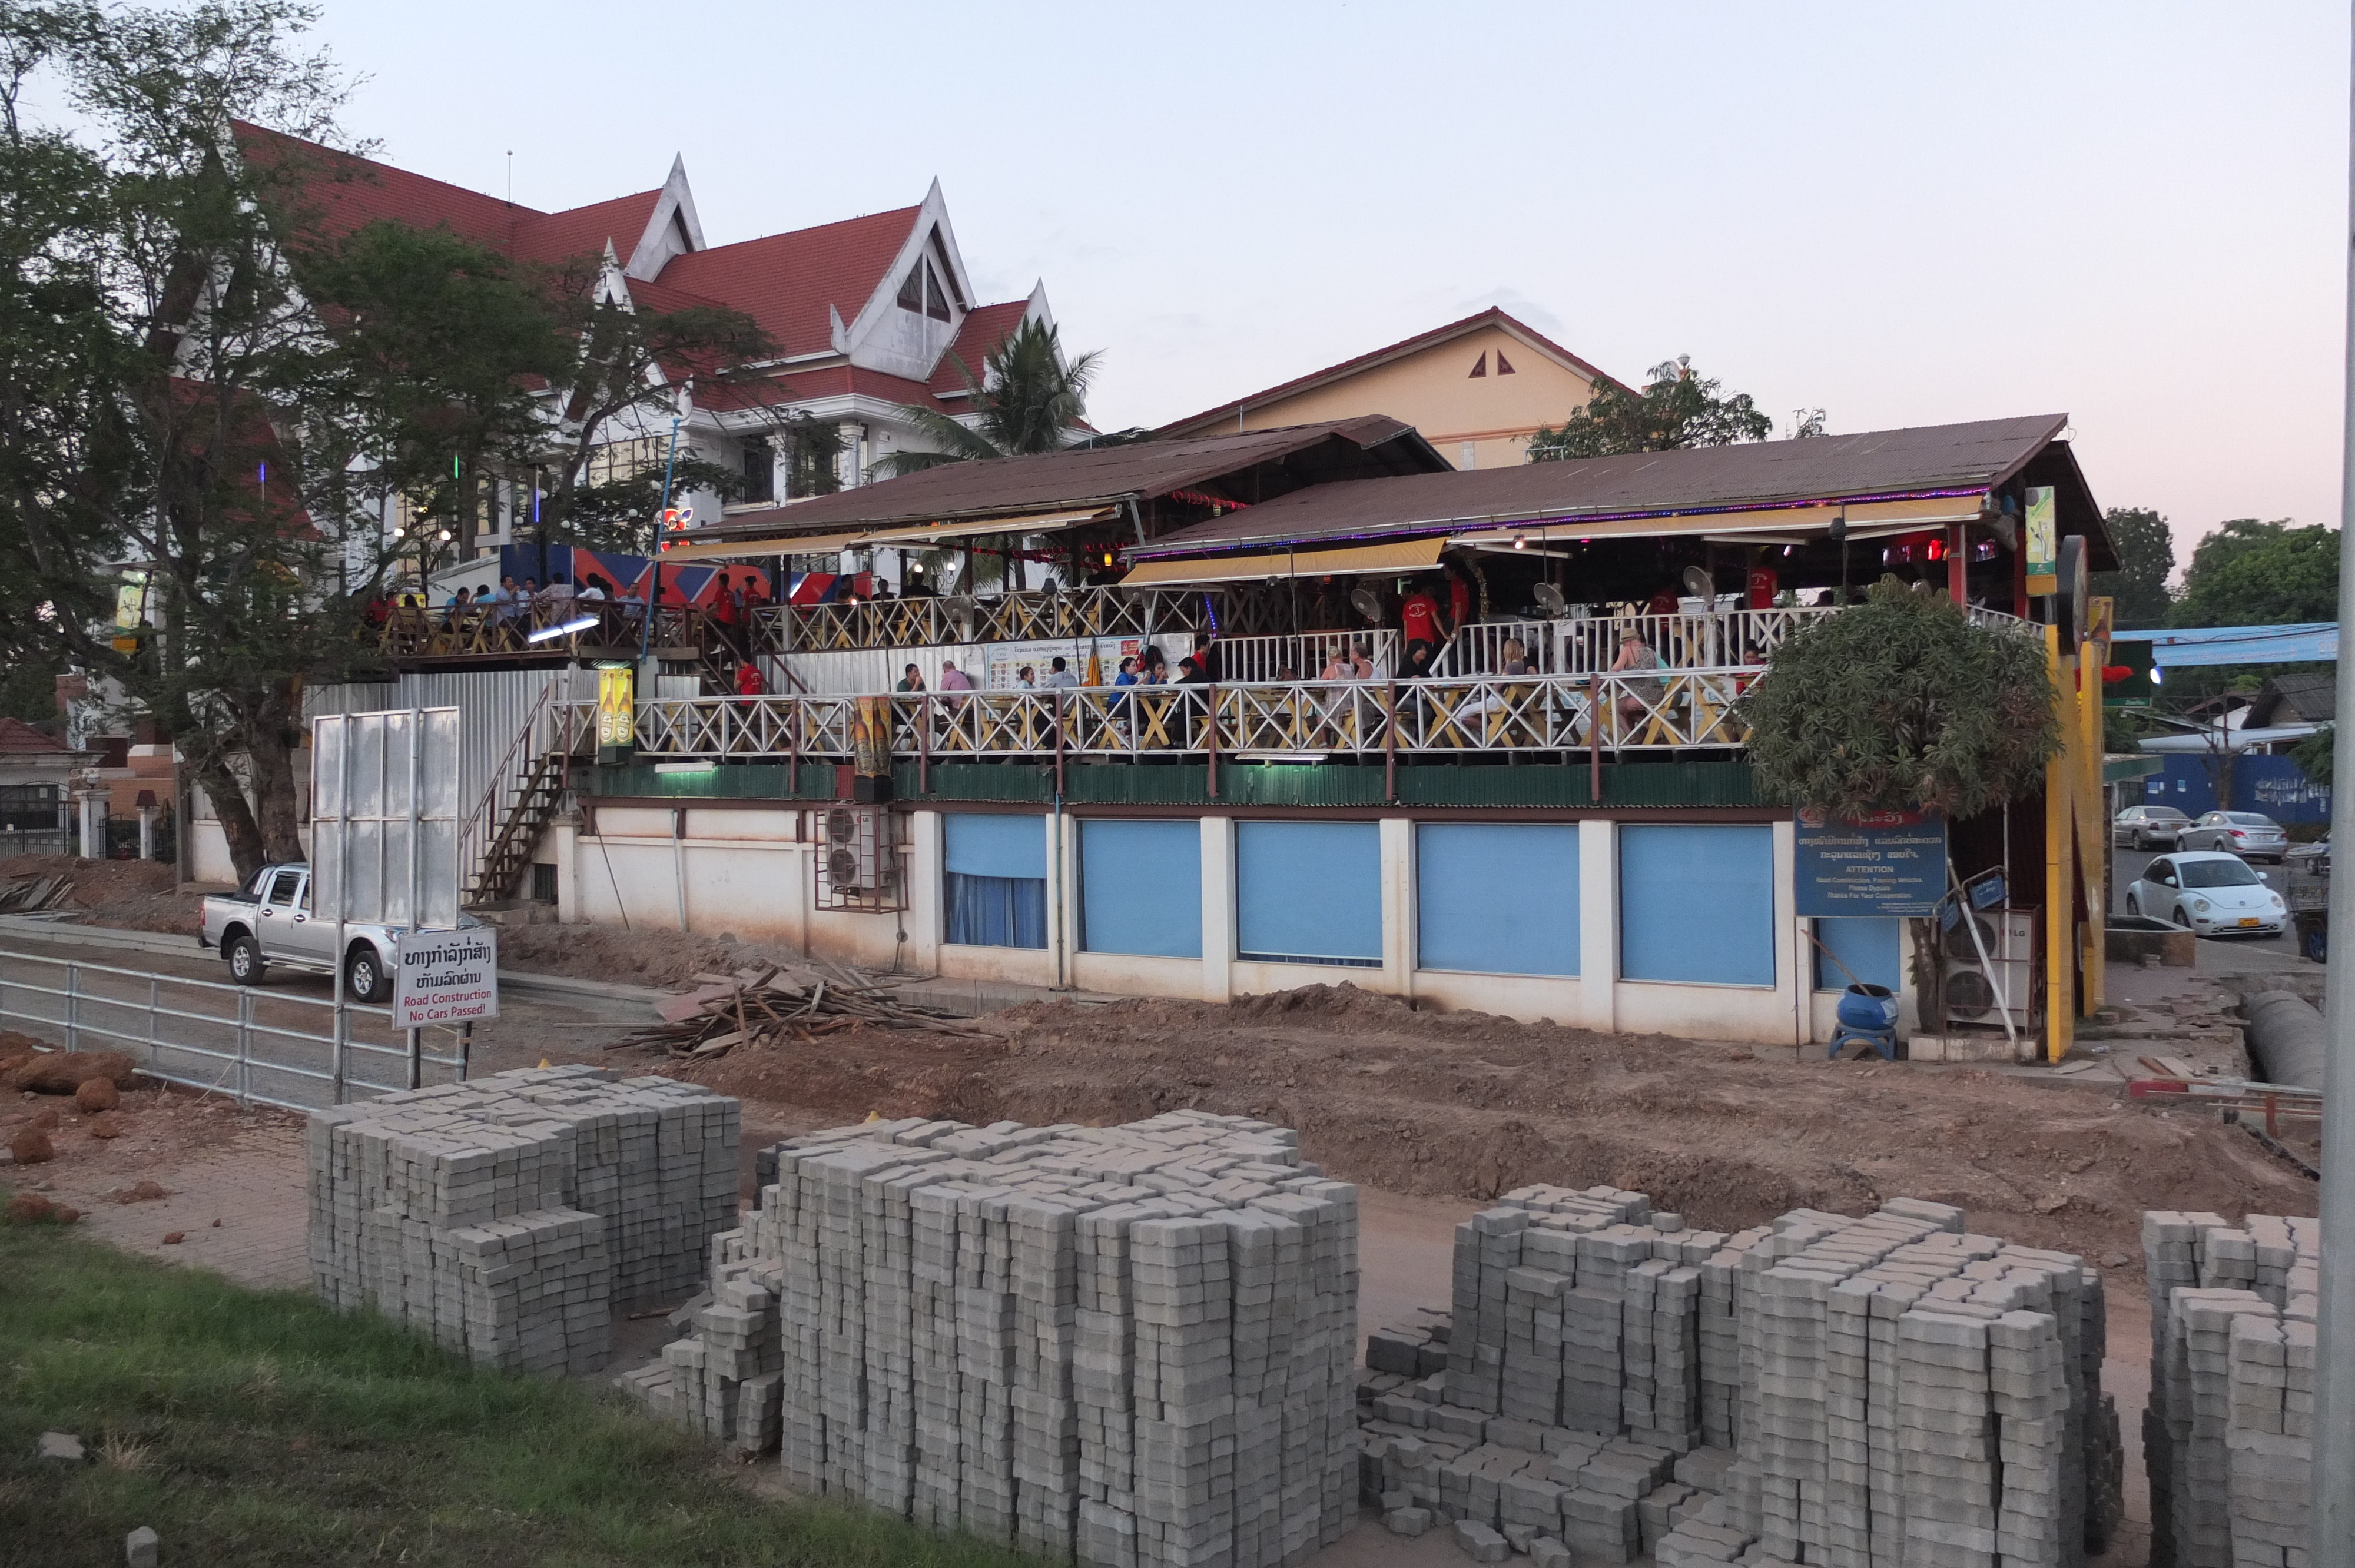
(480, 835)
(243, 1061)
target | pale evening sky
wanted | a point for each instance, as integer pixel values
(1903, 214)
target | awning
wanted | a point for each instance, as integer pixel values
(918, 536)
(1866, 520)
(924, 535)
(1403, 555)
(749, 550)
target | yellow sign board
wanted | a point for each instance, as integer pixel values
(617, 715)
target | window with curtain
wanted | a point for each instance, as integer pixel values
(1309, 893)
(1141, 888)
(1697, 903)
(994, 880)
(1496, 898)
(1869, 945)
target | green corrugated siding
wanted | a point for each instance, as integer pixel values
(1637, 785)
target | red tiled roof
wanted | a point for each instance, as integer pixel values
(18, 739)
(826, 381)
(977, 336)
(1492, 316)
(784, 281)
(355, 191)
(583, 230)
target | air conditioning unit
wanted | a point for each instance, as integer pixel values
(2006, 982)
(858, 860)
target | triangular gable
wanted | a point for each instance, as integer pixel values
(884, 336)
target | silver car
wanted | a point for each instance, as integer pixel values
(2249, 834)
(2146, 827)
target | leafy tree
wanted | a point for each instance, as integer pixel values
(2146, 560)
(2313, 755)
(1901, 703)
(171, 405)
(2249, 573)
(1678, 408)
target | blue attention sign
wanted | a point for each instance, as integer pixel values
(1893, 863)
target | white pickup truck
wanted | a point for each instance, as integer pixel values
(270, 921)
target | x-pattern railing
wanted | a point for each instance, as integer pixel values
(1035, 615)
(1649, 711)
(478, 630)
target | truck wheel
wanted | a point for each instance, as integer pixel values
(2314, 941)
(243, 955)
(365, 978)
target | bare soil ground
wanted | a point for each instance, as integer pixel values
(1465, 1104)
(641, 957)
(130, 895)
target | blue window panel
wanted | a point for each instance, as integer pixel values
(997, 911)
(1141, 888)
(981, 845)
(1496, 899)
(1309, 893)
(1697, 903)
(1868, 946)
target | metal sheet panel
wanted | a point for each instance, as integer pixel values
(384, 824)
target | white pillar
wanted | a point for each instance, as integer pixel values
(1598, 923)
(926, 917)
(1062, 892)
(1398, 906)
(93, 827)
(564, 835)
(1790, 974)
(146, 832)
(1218, 908)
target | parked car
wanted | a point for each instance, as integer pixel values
(2250, 835)
(270, 921)
(2314, 857)
(2146, 827)
(2212, 892)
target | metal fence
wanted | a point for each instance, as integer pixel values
(248, 1043)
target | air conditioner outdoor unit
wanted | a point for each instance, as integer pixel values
(859, 859)
(2005, 983)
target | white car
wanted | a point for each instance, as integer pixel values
(2212, 893)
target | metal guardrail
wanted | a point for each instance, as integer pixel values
(1661, 710)
(145, 1015)
(1030, 615)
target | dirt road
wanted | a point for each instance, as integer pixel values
(1466, 1106)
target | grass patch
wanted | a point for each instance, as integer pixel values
(258, 1427)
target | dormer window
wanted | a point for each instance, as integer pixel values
(936, 303)
(930, 288)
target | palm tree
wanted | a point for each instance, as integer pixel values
(1028, 399)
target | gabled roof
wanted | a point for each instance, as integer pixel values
(18, 739)
(1492, 316)
(2296, 697)
(980, 332)
(1099, 475)
(1878, 465)
(786, 281)
(353, 192)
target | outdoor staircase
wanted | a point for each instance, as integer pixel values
(502, 868)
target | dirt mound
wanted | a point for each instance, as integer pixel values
(65, 1072)
(665, 958)
(1468, 1105)
(129, 895)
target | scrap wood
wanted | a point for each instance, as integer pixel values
(766, 1006)
(33, 892)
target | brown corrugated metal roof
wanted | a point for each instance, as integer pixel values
(1057, 481)
(1923, 461)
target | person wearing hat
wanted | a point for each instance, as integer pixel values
(1634, 653)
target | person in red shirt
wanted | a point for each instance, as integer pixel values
(1459, 601)
(748, 681)
(1419, 616)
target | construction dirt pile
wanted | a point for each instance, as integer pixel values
(1468, 1105)
(667, 960)
(129, 895)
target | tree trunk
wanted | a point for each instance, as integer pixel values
(243, 835)
(277, 795)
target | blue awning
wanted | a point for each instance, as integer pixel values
(2305, 643)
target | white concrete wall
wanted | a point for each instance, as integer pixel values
(742, 870)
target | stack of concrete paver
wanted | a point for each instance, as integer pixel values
(511, 1216)
(2228, 1435)
(1882, 1391)
(1127, 1346)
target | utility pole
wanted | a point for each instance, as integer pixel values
(2333, 1480)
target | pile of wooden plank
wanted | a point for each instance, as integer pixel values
(776, 1005)
(34, 894)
